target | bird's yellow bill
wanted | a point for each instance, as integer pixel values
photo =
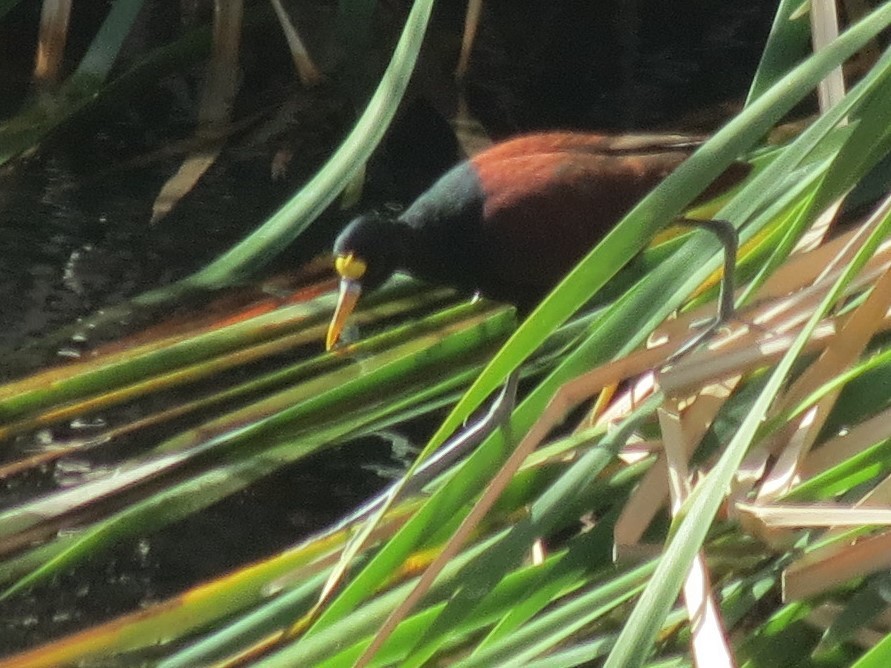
(350, 267)
(346, 303)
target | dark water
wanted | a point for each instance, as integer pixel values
(270, 515)
(74, 239)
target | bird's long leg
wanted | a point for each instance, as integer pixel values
(451, 451)
(729, 238)
(471, 436)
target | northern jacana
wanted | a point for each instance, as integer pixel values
(512, 221)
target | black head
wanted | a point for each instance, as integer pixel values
(366, 254)
(370, 249)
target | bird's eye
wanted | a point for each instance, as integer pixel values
(350, 267)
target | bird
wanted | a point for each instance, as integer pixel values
(512, 221)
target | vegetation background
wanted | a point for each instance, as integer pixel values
(170, 422)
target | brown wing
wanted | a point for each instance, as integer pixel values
(545, 211)
(578, 142)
